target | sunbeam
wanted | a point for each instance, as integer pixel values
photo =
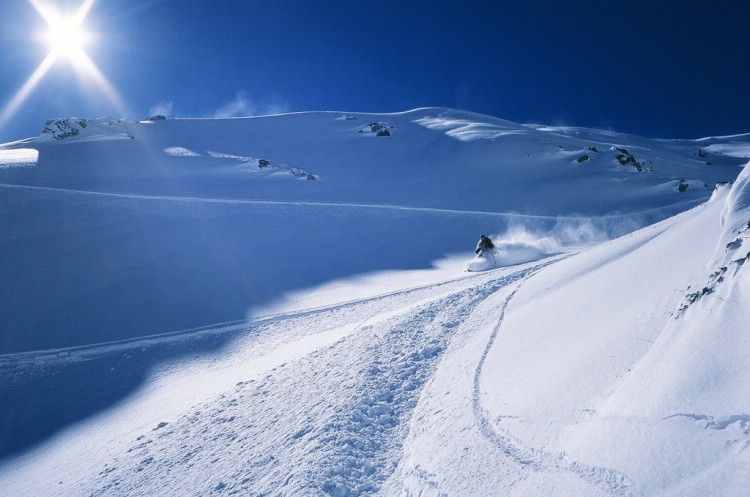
(90, 69)
(67, 39)
(21, 95)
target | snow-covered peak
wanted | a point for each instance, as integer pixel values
(78, 129)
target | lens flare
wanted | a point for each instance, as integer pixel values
(67, 39)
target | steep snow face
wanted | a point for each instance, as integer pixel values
(605, 360)
(692, 385)
(712, 321)
(736, 212)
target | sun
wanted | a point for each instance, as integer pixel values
(66, 35)
(67, 39)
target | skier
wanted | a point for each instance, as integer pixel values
(484, 244)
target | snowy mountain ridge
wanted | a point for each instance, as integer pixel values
(227, 326)
(83, 129)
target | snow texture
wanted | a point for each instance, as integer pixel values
(291, 305)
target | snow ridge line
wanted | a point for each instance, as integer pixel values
(347, 303)
(612, 481)
(361, 392)
(100, 348)
(79, 352)
(237, 326)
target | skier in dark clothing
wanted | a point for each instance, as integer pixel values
(484, 244)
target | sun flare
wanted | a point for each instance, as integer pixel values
(67, 39)
(66, 35)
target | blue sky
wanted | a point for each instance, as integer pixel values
(657, 68)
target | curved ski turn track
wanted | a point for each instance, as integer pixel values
(609, 481)
(378, 396)
(453, 440)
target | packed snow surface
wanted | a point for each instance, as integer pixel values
(291, 305)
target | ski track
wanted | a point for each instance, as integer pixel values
(340, 433)
(239, 327)
(530, 459)
(330, 422)
(684, 205)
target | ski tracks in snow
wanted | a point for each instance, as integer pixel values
(610, 481)
(334, 414)
(454, 448)
(329, 422)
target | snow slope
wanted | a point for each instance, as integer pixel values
(575, 384)
(129, 228)
(277, 306)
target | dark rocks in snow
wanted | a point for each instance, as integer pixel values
(716, 278)
(156, 118)
(378, 128)
(585, 157)
(295, 171)
(301, 173)
(625, 158)
(64, 128)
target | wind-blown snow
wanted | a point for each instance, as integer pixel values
(278, 306)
